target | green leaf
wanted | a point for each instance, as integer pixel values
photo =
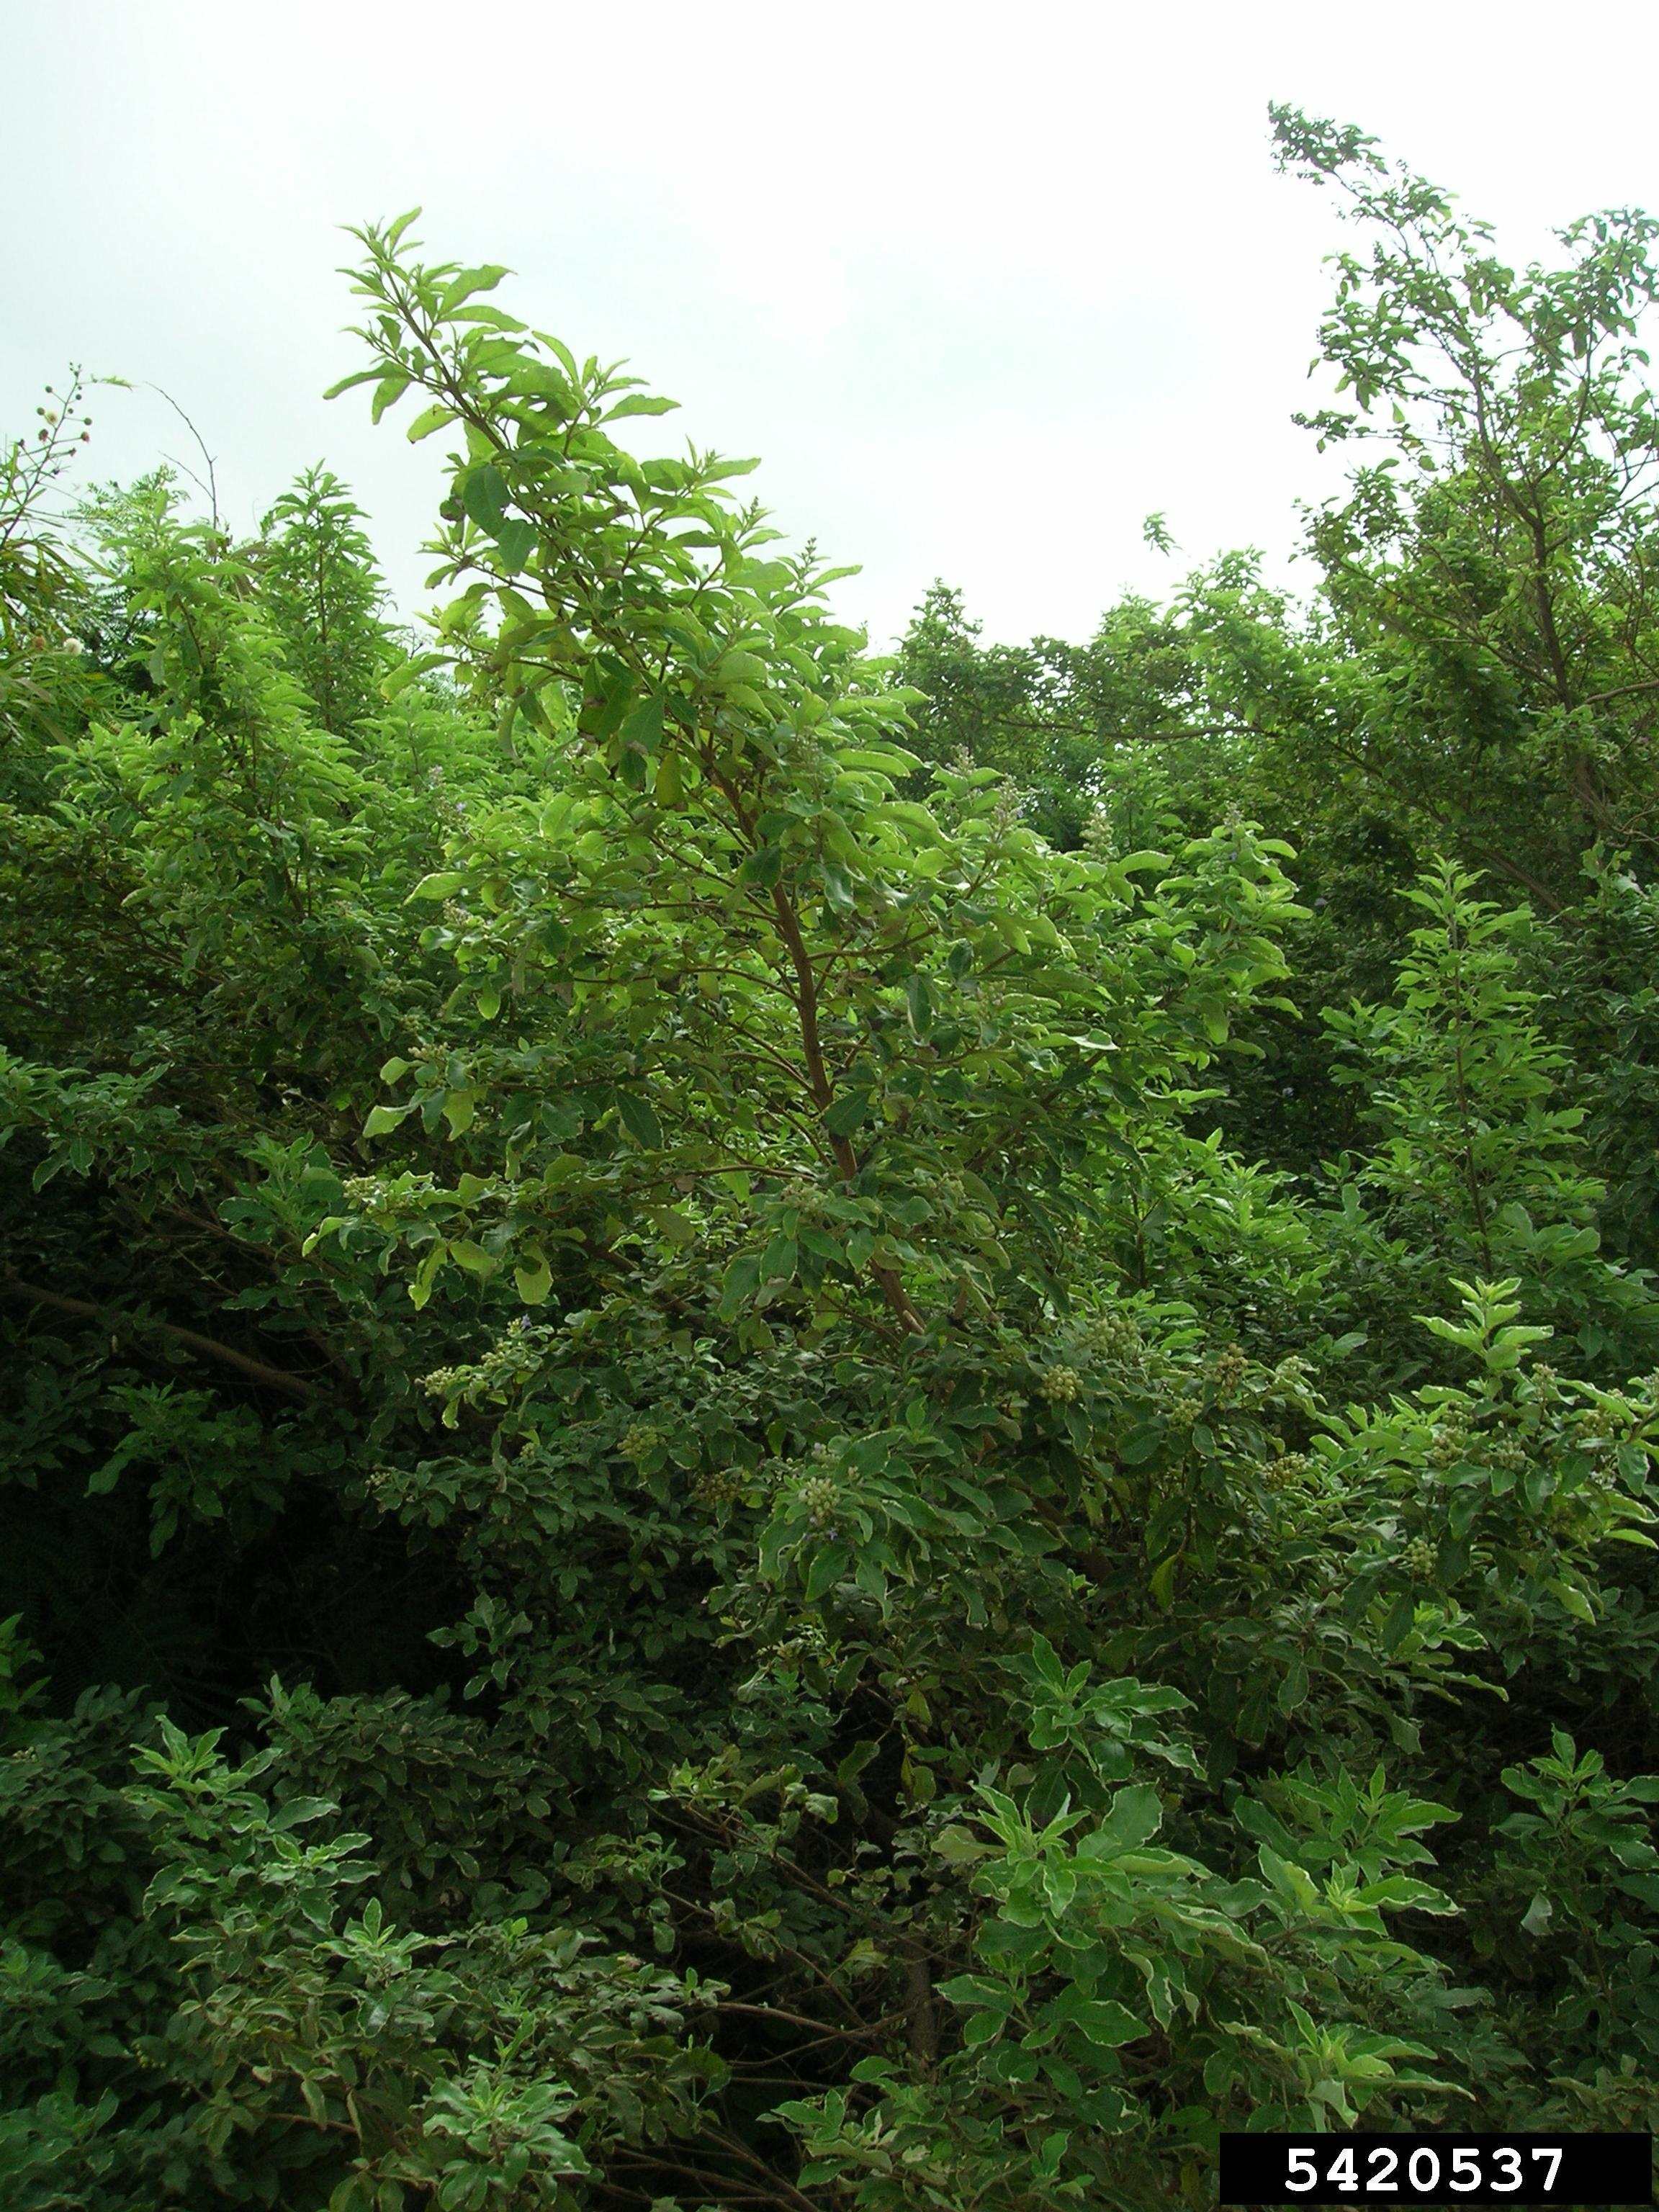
(960, 1846)
(516, 540)
(848, 1112)
(464, 283)
(639, 1118)
(828, 1568)
(410, 671)
(388, 392)
(428, 419)
(761, 870)
(533, 1275)
(668, 788)
(485, 496)
(858, 1758)
(296, 1811)
(1140, 1442)
(1571, 1599)
(1136, 1814)
(738, 1286)
(1396, 1627)
(837, 887)
(642, 730)
(1105, 2021)
(1294, 1690)
(460, 1107)
(779, 1262)
(1213, 1016)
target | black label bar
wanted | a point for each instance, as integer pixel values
(1564, 2168)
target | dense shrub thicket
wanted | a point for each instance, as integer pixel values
(786, 1430)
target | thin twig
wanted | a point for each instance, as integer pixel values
(276, 1378)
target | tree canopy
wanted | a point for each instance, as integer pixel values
(797, 1429)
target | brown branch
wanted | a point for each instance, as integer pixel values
(275, 1378)
(806, 1008)
(1524, 877)
(921, 2016)
(786, 2192)
(800, 2020)
(1621, 692)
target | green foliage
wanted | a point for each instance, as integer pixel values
(1477, 1165)
(321, 592)
(1496, 563)
(776, 1432)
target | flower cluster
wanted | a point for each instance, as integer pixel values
(818, 1498)
(1229, 1371)
(1099, 838)
(720, 1486)
(1110, 1335)
(1504, 1451)
(1451, 1442)
(1284, 1472)
(807, 1199)
(1601, 1422)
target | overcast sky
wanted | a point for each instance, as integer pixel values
(984, 286)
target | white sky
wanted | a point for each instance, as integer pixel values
(984, 286)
